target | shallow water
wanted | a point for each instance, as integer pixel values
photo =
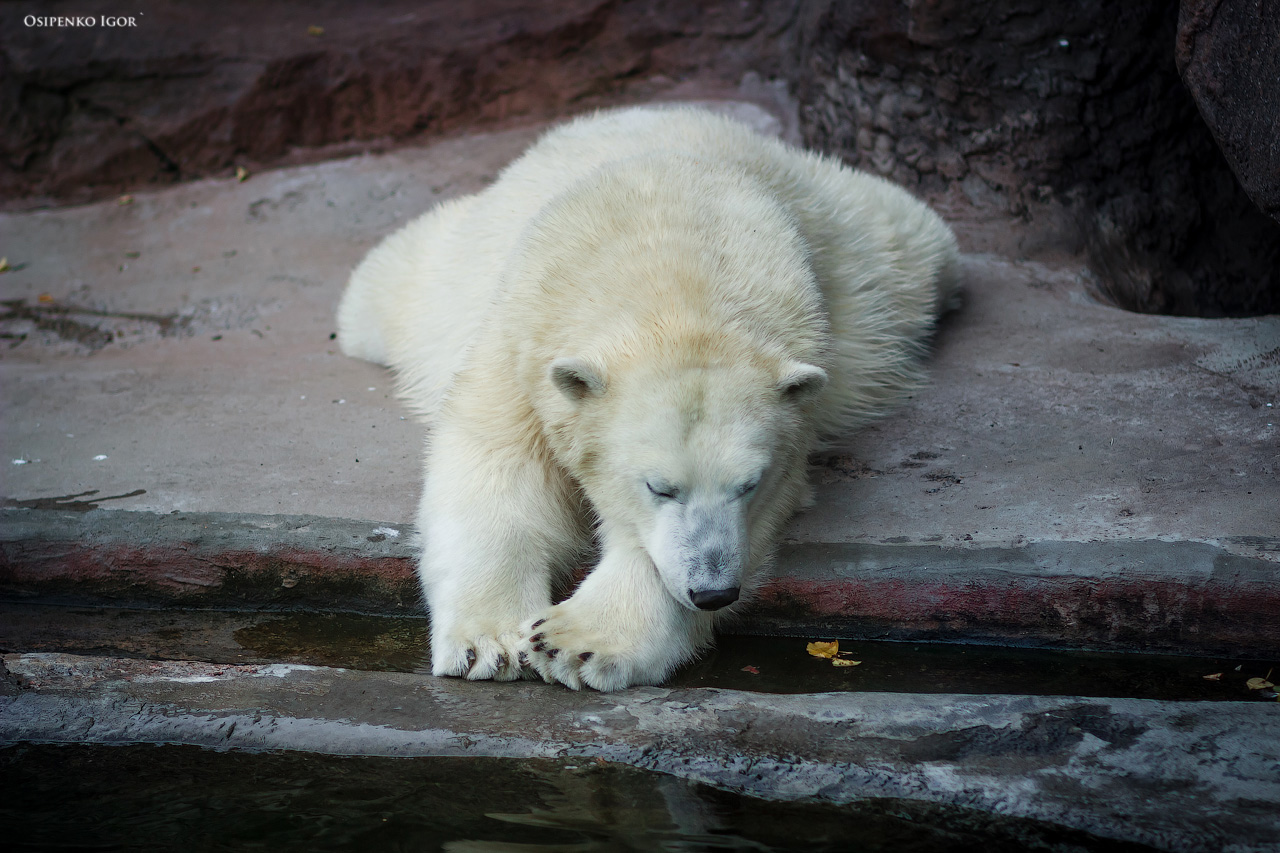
(94, 797)
(764, 664)
(185, 798)
(895, 667)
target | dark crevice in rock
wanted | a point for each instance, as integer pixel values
(1006, 106)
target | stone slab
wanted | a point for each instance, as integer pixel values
(1178, 776)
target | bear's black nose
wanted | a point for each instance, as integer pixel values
(713, 599)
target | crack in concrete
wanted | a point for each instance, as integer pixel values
(62, 502)
(57, 318)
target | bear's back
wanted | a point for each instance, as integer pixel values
(651, 253)
(884, 262)
(886, 265)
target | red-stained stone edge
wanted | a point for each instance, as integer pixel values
(217, 560)
(1191, 597)
(1139, 594)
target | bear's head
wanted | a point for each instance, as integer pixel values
(699, 464)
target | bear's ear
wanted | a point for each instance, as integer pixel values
(801, 381)
(576, 379)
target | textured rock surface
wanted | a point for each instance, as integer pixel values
(1229, 56)
(1023, 108)
(195, 89)
(1066, 121)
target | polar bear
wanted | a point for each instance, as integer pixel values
(626, 347)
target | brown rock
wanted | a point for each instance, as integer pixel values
(1024, 103)
(1073, 112)
(1228, 54)
(195, 89)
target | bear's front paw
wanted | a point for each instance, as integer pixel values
(478, 655)
(578, 654)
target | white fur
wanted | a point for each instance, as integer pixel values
(635, 337)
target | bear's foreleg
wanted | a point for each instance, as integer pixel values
(496, 523)
(619, 628)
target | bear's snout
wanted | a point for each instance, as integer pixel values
(713, 599)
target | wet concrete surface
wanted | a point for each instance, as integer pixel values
(1178, 776)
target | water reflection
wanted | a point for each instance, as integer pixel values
(185, 798)
(659, 813)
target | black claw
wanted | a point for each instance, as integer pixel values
(552, 652)
(539, 622)
(523, 658)
(502, 661)
(539, 647)
(471, 659)
(585, 656)
(535, 638)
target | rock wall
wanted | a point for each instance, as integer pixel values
(1029, 108)
(1067, 122)
(195, 89)
(1228, 54)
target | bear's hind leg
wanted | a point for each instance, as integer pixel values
(495, 525)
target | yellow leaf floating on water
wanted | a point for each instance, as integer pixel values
(1217, 676)
(1258, 684)
(824, 648)
(242, 174)
(830, 650)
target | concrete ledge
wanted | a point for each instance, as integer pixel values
(1178, 596)
(1179, 776)
(1138, 594)
(202, 559)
